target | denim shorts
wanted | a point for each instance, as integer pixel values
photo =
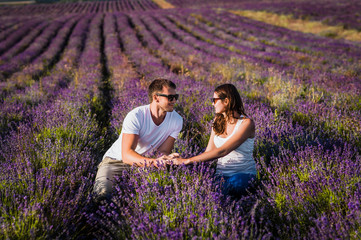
(237, 184)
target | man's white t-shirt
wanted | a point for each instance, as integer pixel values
(139, 121)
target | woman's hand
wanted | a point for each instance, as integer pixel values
(180, 161)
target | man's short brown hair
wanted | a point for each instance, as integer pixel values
(157, 86)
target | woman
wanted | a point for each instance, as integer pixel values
(231, 141)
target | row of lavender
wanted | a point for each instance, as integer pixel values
(29, 61)
(306, 169)
(323, 75)
(341, 13)
(48, 155)
(281, 49)
(79, 7)
(335, 12)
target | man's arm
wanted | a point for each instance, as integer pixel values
(167, 146)
(129, 155)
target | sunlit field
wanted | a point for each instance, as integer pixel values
(70, 72)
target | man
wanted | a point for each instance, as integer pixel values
(146, 128)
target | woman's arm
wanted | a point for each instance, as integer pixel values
(211, 145)
(245, 130)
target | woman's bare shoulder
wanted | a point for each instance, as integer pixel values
(250, 126)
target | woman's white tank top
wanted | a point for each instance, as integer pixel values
(239, 160)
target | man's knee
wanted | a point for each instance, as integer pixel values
(103, 188)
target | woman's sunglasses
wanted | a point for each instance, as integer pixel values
(170, 97)
(214, 100)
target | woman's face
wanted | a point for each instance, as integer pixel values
(219, 105)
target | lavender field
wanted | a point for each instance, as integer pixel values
(70, 72)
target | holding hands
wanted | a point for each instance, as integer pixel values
(173, 158)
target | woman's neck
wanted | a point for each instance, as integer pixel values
(232, 119)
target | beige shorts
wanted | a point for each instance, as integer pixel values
(107, 169)
(113, 162)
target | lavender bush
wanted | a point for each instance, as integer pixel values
(178, 203)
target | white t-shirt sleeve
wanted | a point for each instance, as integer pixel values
(177, 128)
(131, 123)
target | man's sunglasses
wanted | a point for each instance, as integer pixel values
(170, 97)
(214, 100)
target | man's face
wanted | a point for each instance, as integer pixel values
(166, 99)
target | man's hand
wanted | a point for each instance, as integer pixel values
(173, 158)
(163, 160)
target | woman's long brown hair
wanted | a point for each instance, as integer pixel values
(235, 104)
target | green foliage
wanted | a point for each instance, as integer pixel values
(26, 225)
